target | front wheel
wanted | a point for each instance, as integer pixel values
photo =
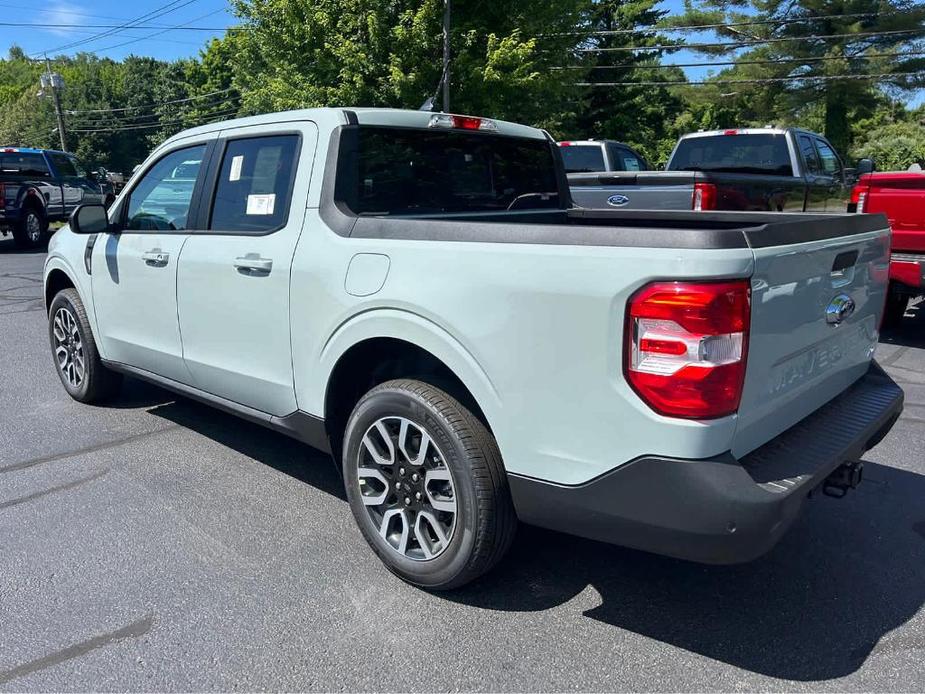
(73, 348)
(426, 485)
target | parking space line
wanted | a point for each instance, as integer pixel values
(53, 490)
(132, 631)
(83, 451)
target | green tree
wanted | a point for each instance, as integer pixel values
(818, 41)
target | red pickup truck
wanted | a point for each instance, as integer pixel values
(901, 197)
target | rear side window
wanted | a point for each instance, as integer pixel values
(255, 184)
(755, 154)
(23, 164)
(384, 170)
(624, 159)
(63, 164)
(583, 158)
(810, 158)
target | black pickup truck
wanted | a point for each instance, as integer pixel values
(746, 169)
(39, 186)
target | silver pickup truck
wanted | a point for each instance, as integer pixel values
(745, 169)
(416, 294)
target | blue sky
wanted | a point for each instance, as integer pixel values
(151, 39)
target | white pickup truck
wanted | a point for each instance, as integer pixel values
(416, 294)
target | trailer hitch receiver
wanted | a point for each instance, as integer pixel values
(846, 476)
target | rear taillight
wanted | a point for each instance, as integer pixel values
(858, 199)
(704, 197)
(686, 344)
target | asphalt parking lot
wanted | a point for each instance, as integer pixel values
(156, 544)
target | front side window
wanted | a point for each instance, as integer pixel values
(63, 164)
(161, 200)
(390, 171)
(78, 167)
(830, 163)
(810, 158)
(255, 184)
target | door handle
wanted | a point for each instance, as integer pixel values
(253, 265)
(156, 258)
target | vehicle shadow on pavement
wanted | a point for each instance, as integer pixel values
(815, 608)
(910, 332)
(279, 452)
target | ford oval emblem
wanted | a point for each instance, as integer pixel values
(839, 309)
(617, 200)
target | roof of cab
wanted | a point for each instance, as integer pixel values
(332, 117)
(30, 150)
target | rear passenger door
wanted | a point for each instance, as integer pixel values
(233, 281)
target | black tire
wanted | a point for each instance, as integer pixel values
(31, 231)
(485, 520)
(97, 383)
(895, 309)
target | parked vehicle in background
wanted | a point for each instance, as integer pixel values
(745, 169)
(588, 156)
(415, 293)
(900, 195)
(41, 186)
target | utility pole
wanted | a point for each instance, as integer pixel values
(54, 81)
(446, 56)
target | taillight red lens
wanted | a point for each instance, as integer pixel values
(704, 197)
(686, 346)
(858, 198)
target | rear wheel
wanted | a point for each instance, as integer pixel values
(30, 231)
(426, 485)
(73, 348)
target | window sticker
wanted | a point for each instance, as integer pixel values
(261, 204)
(236, 164)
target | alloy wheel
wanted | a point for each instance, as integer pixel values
(69, 351)
(407, 488)
(33, 227)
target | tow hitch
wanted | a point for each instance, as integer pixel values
(846, 476)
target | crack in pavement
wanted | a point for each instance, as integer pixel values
(131, 631)
(53, 490)
(83, 451)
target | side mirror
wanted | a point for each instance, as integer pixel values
(865, 166)
(89, 219)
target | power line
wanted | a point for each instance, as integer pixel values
(887, 76)
(781, 61)
(167, 8)
(725, 25)
(163, 124)
(111, 26)
(743, 44)
(157, 33)
(155, 105)
(103, 119)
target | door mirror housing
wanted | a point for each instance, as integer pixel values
(865, 166)
(90, 219)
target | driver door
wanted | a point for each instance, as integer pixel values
(135, 269)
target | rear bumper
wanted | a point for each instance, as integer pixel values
(908, 269)
(718, 510)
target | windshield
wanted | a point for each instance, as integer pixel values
(582, 158)
(755, 154)
(387, 171)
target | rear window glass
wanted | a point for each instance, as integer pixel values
(385, 170)
(23, 164)
(756, 154)
(583, 158)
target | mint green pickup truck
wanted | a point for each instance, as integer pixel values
(416, 294)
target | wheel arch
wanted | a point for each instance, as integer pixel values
(391, 344)
(56, 279)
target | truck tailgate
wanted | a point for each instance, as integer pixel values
(815, 315)
(631, 190)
